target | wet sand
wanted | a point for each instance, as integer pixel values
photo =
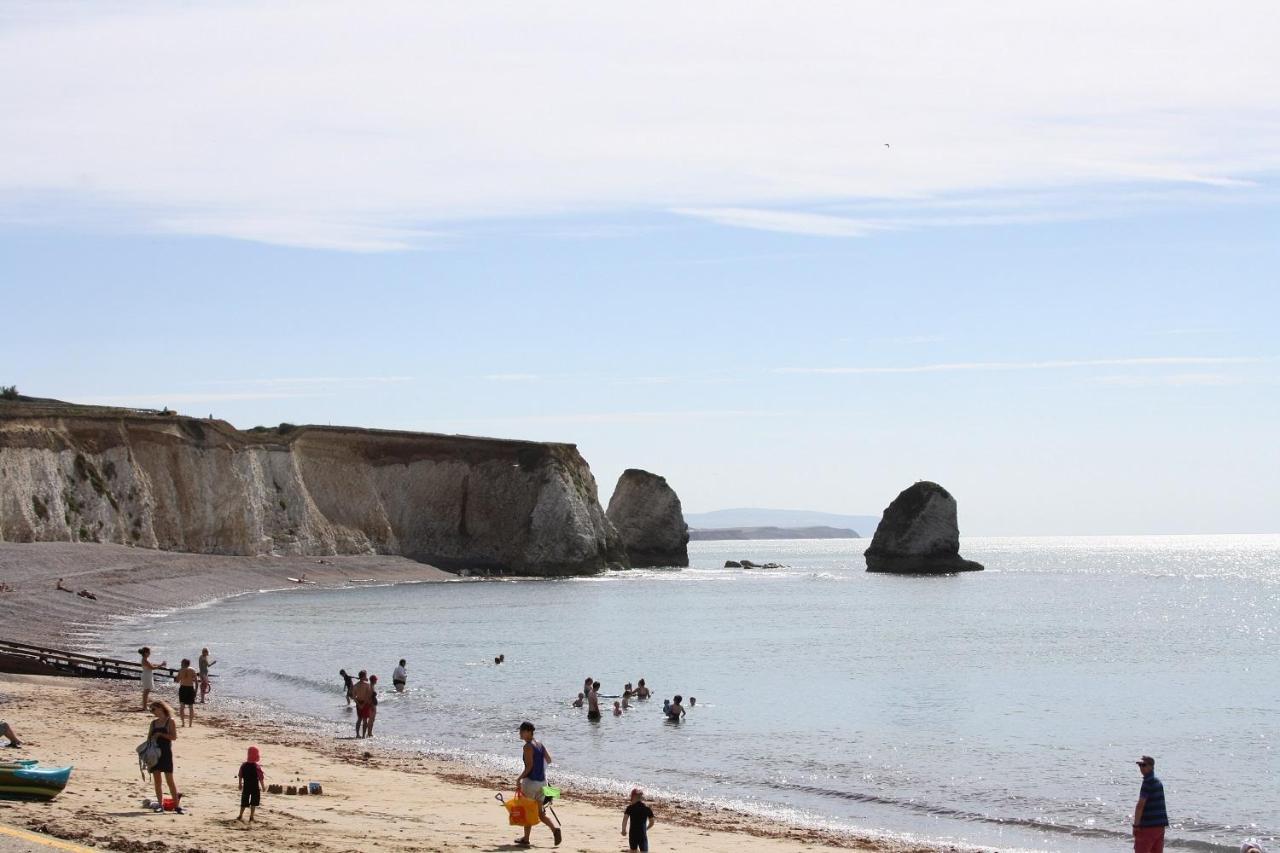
(128, 581)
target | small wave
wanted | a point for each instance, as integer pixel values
(1025, 823)
(333, 686)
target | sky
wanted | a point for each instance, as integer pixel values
(795, 257)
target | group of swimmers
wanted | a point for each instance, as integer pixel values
(362, 690)
(590, 697)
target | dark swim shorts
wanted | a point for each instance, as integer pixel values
(250, 798)
(187, 694)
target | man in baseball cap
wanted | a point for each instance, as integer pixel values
(1149, 816)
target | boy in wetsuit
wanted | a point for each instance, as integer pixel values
(641, 818)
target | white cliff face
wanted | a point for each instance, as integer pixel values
(202, 486)
(919, 533)
(647, 513)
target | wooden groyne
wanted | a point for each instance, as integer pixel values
(36, 660)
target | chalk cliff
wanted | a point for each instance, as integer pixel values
(646, 511)
(158, 480)
(919, 534)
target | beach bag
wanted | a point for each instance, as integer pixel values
(148, 755)
(522, 811)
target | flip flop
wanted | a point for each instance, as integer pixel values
(522, 842)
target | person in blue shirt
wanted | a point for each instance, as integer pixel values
(534, 779)
(1149, 817)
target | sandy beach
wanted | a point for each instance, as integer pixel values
(371, 800)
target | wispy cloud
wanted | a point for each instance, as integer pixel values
(766, 127)
(618, 417)
(1059, 364)
(315, 380)
(1172, 380)
(512, 377)
(258, 388)
(786, 221)
(151, 400)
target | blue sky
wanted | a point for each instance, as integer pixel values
(1059, 302)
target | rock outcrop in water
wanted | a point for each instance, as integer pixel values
(158, 480)
(919, 534)
(647, 514)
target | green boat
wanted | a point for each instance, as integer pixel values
(25, 779)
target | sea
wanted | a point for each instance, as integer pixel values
(1001, 709)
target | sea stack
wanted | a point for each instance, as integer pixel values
(918, 534)
(646, 511)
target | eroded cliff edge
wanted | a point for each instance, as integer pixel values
(77, 473)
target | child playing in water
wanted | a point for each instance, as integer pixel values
(577, 703)
(617, 709)
(250, 779)
(640, 816)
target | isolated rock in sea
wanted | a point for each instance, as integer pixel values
(918, 534)
(159, 480)
(647, 514)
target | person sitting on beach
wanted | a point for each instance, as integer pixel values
(399, 676)
(617, 709)
(186, 679)
(249, 780)
(362, 693)
(577, 703)
(347, 682)
(148, 676)
(640, 816)
(204, 664)
(533, 779)
(59, 585)
(642, 692)
(593, 701)
(676, 710)
(7, 732)
(164, 733)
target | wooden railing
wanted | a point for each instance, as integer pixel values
(37, 660)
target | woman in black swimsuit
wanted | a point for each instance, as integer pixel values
(164, 732)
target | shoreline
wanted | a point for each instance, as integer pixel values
(372, 797)
(136, 583)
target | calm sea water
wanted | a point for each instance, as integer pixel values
(1002, 708)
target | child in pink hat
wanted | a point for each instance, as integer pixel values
(250, 779)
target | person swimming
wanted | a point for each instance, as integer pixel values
(675, 710)
(577, 703)
(642, 692)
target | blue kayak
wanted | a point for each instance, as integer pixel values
(25, 779)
